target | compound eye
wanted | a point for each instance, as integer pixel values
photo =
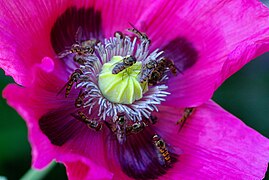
(155, 75)
(76, 47)
(155, 138)
(132, 59)
(151, 65)
(129, 60)
(118, 34)
(160, 143)
(94, 124)
(121, 120)
(135, 126)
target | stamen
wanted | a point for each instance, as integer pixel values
(135, 99)
(120, 83)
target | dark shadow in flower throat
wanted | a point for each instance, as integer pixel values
(182, 52)
(138, 156)
(65, 27)
(59, 126)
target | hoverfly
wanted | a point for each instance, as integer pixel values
(165, 62)
(156, 75)
(136, 127)
(79, 101)
(119, 34)
(163, 153)
(74, 77)
(152, 119)
(121, 127)
(142, 36)
(127, 61)
(97, 126)
(154, 70)
(187, 112)
(80, 58)
(80, 48)
(118, 127)
(147, 69)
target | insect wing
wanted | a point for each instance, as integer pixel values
(79, 35)
(64, 54)
(145, 73)
(119, 66)
(186, 114)
(64, 87)
(135, 30)
(160, 157)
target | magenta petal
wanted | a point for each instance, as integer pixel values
(43, 90)
(24, 40)
(116, 15)
(79, 167)
(16, 98)
(215, 144)
(78, 164)
(59, 126)
(25, 28)
(25, 32)
(137, 156)
(32, 102)
(225, 34)
(242, 54)
(64, 32)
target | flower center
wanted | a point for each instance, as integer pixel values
(115, 84)
(120, 82)
(123, 87)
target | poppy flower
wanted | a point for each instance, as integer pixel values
(105, 102)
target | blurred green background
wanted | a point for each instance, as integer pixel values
(245, 94)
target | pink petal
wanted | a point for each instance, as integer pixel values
(79, 167)
(137, 156)
(212, 139)
(71, 135)
(215, 144)
(39, 142)
(226, 35)
(117, 15)
(32, 102)
(43, 99)
(24, 40)
(25, 28)
(220, 55)
(213, 39)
